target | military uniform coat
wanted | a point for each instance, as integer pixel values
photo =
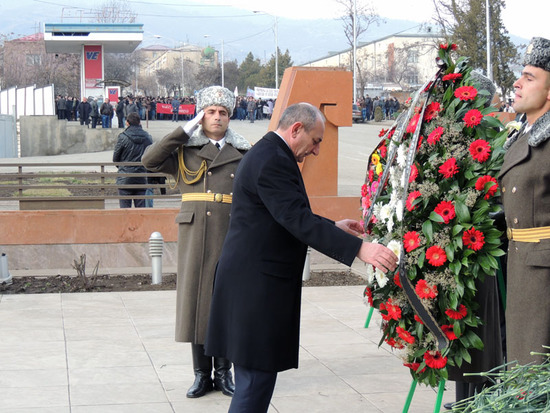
(255, 313)
(525, 186)
(202, 225)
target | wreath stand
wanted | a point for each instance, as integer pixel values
(440, 390)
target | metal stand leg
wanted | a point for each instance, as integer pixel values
(410, 397)
(369, 316)
(440, 392)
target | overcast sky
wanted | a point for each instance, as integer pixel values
(524, 18)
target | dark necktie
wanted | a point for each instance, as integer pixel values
(218, 146)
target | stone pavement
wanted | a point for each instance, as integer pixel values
(115, 352)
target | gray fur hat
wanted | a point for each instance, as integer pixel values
(484, 83)
(216, 96)
(538, 53)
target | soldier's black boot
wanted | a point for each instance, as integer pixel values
(202, 366)
(223, 379)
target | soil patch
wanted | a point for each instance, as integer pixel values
(140, 282)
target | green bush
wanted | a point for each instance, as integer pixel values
(378, 115)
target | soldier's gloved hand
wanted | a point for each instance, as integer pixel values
(193, 124)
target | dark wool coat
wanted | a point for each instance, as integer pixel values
(202, 225)
(255, 313)
(525, 185)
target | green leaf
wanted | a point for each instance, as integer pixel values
(462, 212)
(497, 252)
(450, 251)
(427, 230)
(457, 229)
(436, 217)
(455, 267)
(470, 283)
(421, 259)
(491, 122)
(475, 340)
(456, 329)
(465, 355)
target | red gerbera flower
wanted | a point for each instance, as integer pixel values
(452, 77)
(435, 360)
(473, 239)
(481, 184)
(436, 255)
(418, 319)
(425, 290)
(410, 199)
(434, 137)
(382, 132)
(414, 173)
(449, 168)
(458, 314)
(472, 118)
(411, 241)
(411, 127)
(480, 150)
(414, 367)
(446, 210)
(396, 280)
(371, 175)
(393, 311)
(383, 151)
(405, 335)
(368, 294)
(431, 111)
(466, 93)
(448, 330)
(395, 344)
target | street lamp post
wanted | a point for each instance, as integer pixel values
(223, 73)
(276, 32)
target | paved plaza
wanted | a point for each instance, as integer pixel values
(115, 352)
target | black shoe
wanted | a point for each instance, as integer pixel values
(449, 406)
(223, 381)
(202, 385)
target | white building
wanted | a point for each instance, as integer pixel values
(392, 63)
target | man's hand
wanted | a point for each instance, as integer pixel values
(378, 255)
(350, 226)
(193, 124)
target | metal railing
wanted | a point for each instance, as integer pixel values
(83, 181)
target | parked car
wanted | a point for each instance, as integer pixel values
(356, 115)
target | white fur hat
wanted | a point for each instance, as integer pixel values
(216, 96)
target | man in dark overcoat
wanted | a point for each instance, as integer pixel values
(204, 174)
(255, 312)
(525, 186)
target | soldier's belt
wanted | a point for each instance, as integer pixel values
(528, 234)
(208, 197)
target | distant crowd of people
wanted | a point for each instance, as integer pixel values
(92, 112)
(368, 105)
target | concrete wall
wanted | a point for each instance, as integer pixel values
(46, 135)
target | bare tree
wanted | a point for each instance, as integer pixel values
(402, 65)
(364, 15)
(114, 11)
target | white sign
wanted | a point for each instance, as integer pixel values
(265, 93)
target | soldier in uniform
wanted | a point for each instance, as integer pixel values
(525, 185)
(202, 157)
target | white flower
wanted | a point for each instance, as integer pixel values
(381, 278)
(389, 224)
(399, 210)
(395, 247)
(401, 156)
(513, 125)
(370, 275)
(376, 209)
(385, 212)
